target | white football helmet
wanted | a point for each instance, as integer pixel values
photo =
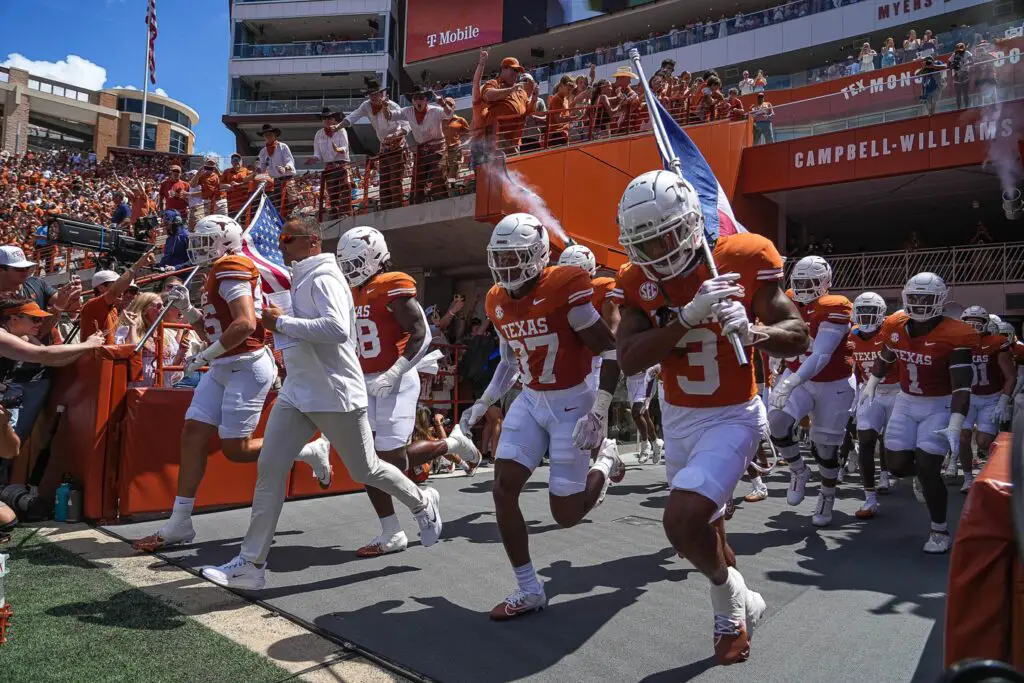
(518, 250)
(993, 324)
(976, 317)
(661, 225)
(1008, 329)
(924, 296)
(579, 256)
(868, 311)
(361, 253)
(810, 279)
(213, 237)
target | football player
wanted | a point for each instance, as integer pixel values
(819, 384)
(868, 314)
(676, 314)
(991, 394)
(548, 332)
(933, 354)
(392, 332)
(230, 396)
(605, 373)
(1017, 353)
(640, 388)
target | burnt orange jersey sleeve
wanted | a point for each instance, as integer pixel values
(217, 312)
(394, 285)
(381, 339)
(604, 290)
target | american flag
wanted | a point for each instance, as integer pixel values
(151, 52)
(718, 216)
(261, 243)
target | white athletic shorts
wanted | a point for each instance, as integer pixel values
(594, 378)
(540, 422)
(828, 404)
(640, 388)
(231, 394)
(874, 416)
(393, 417)
(982, 414)
(914, 421)
(707, 450)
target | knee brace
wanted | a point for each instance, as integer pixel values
(780, 427)
(828, 462)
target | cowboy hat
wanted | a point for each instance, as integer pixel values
(267, 128)
(624, 72)
(326, 113)
(421, 91)
(372, 86)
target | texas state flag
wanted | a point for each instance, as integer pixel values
(718, 216)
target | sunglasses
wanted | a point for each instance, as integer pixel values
(288, 237)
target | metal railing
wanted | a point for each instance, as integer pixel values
(310, 48)
(971, 265)
(294, 106)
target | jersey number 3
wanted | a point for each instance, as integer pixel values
(705, 358)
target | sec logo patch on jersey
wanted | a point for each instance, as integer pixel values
(499, 312)
(895, 337)
(648, 291)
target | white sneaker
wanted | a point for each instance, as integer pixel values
(616, 470)
(883, 482)
(518, 603)
(938, 542)
(238, 573)
(658, 447)
(470, 470)
(950, 469)
(797, 484)
(385, 544)
(757, 493)
(317, 454)
(463, 447)
(823, 511)
(429, 518)
(645, 453)
(918, 491)
(968, 481)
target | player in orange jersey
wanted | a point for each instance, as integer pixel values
(230, 396)
(548, 330)
(868, 314)
(933, 354)
(392, 333)
(991, 394)
(1007, 330)
(818, 384)
(676, 314)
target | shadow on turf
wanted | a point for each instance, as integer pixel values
(122, 610)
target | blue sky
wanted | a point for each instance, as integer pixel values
(91, 36)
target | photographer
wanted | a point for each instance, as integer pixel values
(176, 247)
(22, 322)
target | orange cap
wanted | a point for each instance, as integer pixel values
(30, 308)
(512, 63)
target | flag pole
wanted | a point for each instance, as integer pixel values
(675, 165)
(145, 89)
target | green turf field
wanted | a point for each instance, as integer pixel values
(76, 622)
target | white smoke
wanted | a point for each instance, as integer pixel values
(524, 196)
(1002, 151)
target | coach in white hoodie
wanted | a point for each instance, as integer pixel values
(324, 390)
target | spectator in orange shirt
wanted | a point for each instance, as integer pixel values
(506, 96)
(736, 112)
(174, 192)
(208, 181)
(136, 193)
(236, 182)
(455, 131)
(479, 148)
(100, 314)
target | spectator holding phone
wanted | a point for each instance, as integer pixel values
(174, 192)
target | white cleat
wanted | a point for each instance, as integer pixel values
(172, 533)
(757, 493)
(968, 481)
(797, 484)
(238, 573)
(841, 474)
(868, 510)
(616, 469)
(657, 448)
(518, 603)
(429, 518)
(645, 452)
(938, 543)
(883, 482)
(755, 610)
(463, 447)
(918, 491)
(823, 511)
(317, 454)
(384, 545)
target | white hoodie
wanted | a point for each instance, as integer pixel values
(323, 372)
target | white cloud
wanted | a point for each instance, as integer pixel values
(124, 87)
(159, 91)
(73, 70)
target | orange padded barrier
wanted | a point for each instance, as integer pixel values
(985, 607)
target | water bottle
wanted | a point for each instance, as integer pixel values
(75, 504)
(60, 512)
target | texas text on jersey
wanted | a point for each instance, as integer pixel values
(381, 338)
(924, 360)
(537, 328)
(232, 269)
(865, 351)
(837, 310)
(988, 377)
(702, 371)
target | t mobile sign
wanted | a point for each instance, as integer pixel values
(435, 28)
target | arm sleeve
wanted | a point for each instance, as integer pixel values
(504, 377)
(333, 324)
(231, 289)
(583, 316)
(828, 339)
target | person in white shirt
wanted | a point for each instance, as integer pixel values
(276, 160)
(324, 391)
(746, 85)
(425, 121)
(386, 118)
(330, 146)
